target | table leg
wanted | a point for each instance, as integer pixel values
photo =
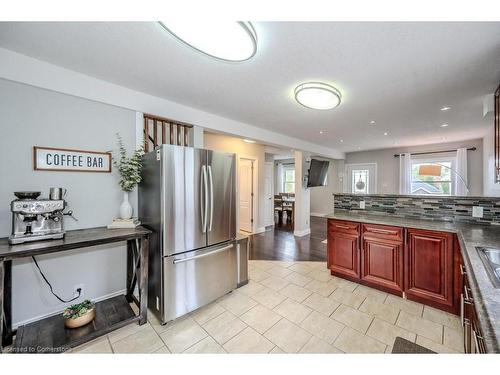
(2, 274)
(7, 303)
(143, 280)
(130, 269)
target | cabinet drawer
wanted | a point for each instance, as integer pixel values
(383, 231)
(343, 226)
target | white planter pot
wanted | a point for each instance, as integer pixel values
(125, 207)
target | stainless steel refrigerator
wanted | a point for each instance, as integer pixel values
(187, 198)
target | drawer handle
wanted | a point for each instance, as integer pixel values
(383, 231)
(342, 226)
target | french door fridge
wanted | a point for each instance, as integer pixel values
(188, 199)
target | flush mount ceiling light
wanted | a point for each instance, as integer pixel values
(224, 40)
(444, 125)
(316, 95)
(445, 108)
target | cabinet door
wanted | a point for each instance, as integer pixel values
(343, 254)
(382, 263)
(429, 268)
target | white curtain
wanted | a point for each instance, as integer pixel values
(280, 178)
(461, 186)
(405, 173)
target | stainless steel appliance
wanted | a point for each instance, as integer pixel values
(188, 199)
(36, 219)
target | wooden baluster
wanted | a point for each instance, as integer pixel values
(146, 134)
(171, 133)
(186, 136)
(155, 134)
(163, 133)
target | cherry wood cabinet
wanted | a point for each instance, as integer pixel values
(343, 248)
(429, 268)
(420, 265)
(382, 263)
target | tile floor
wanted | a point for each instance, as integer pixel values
(292, 307)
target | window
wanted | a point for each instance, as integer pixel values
(289, 180)
(433, 176)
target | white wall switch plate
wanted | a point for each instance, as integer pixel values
(477, 211)
(362, 205)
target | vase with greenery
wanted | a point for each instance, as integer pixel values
(129, 168)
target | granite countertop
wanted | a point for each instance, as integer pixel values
(487, 297)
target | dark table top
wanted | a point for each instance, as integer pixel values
(470, 236)
(72, 240)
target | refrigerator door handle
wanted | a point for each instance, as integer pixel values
(182, 260)
(211, 197)
(204, 208)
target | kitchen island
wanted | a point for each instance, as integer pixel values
(486, 298)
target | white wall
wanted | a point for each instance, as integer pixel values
(31, 116)
(490, 188)
(322, 196)
(388, 165)
(302, 225)
(225, 143)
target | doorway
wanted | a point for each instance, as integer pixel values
(247, 194)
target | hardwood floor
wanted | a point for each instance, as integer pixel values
(283, 245)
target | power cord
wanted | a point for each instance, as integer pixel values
(79, 290)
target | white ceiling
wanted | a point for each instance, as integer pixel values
(398, 74)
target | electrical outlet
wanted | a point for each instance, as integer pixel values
(75, 290)
(477, 211)
(362, 205)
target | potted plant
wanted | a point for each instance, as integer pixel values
(129, 169)
(78, 315)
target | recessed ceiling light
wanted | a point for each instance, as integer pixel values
(445, 108)
(321, 132)
(385, 133)
(316, 95)
(359, 148)
(224, 40)
(444, 125)
(248, 141)
(341, 141)
(373, 122)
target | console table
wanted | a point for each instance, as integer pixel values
(49, 334)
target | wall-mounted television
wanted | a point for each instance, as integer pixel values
(317, 173)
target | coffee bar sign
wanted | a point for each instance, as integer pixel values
(60, 159)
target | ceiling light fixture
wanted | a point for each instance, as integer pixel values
(445, 108)
(248, 141)
(385, 133)
(444, 125)
(321, 132)
(341, 141)
(372, 122)
(316, 95)
(228, 41)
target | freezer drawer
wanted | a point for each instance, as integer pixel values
(196, 278)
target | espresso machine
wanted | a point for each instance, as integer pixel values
(36, 219)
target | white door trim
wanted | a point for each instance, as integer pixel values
(269, 216)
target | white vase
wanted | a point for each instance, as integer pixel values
(125, 207)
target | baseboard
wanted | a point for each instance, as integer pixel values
(302, 233)
(260, 230)
(15, 325)
(317, 214)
